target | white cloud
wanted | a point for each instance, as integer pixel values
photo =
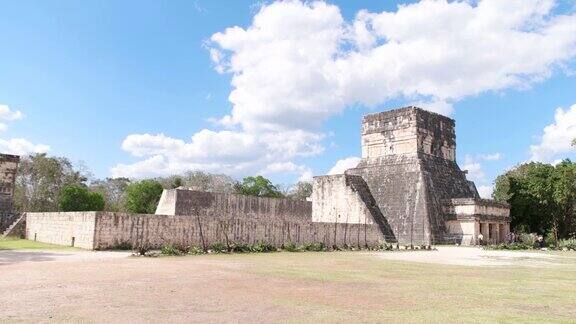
(20, 146)
(17, 146)
(231, 152)
(437, 106)
(304, 172)
(344, 164)
(557, 137)
(298, 64)
(485, 191)
(474, 168)
(491, 157)
(8, 114)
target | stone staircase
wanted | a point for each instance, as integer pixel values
(17, 228)
(358, 184)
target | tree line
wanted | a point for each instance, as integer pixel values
(47, 184)
(542, 198)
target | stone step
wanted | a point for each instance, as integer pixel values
(14, 225)
(357, 184)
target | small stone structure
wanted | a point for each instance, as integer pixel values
(225, 205)
(409, 184)
(466, 218)
(8, 171)
(407, 189)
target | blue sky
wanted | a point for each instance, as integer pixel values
(89, 76)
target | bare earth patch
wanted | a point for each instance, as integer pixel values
(473, 256)
(81, 286)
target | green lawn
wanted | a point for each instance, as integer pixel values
(11, 243)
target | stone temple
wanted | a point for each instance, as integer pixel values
(409, 184)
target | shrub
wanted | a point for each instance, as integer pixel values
(567, 244)
(314, 247)
(175, 249)
(550, 241)
(218, 248)
(170, 249)
(527, 238)
(290, 247)
(240, 248)
(263, 247)
(79, 198)
(196, 250)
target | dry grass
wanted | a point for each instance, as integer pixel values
(284, 287)
(11, 243)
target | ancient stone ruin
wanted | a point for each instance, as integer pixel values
(409, 184)
(407, 190)
(8, 170)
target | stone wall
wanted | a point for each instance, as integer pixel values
(103, 230)
(333, 200)
(462, 232)
(223, 205)
(113, 229)
(70, 228)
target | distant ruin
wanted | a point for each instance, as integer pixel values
(8, 170)
(407, 190)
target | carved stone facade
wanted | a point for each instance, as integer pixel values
(8, 170)
(407, 174)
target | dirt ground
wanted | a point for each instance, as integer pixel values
(473, 256)
(79, 286)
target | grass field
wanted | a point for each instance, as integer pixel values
(371, 289)
(287, 287)
(11, 243)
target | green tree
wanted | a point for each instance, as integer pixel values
(177, 183)
(79, 198)
(257, 186)
(542, 197)
(142, 197)
(40, 180)
(564, 195)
